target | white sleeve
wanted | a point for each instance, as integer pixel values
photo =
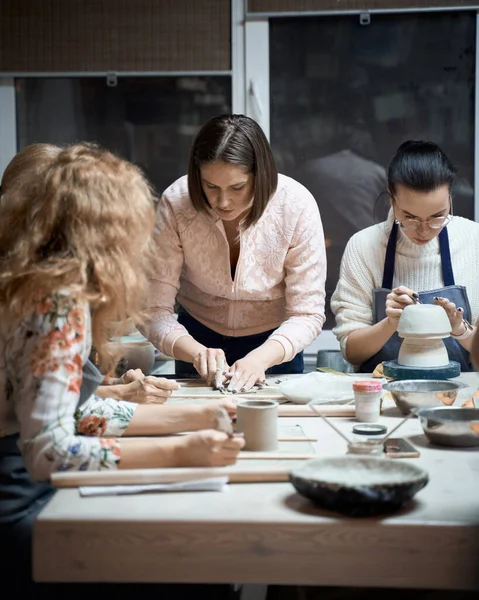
(351, 301)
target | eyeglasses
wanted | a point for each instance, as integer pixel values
(434, 223)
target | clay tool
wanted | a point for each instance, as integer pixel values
(408, 416)
(318, 412)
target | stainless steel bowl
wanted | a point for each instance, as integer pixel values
(451, 426)
(409, 394)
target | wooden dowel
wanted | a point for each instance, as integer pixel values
(287, 438)
(236, 474)
(274, 456)
(220, 396)
(303, 410)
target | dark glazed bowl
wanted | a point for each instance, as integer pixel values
(358, 486)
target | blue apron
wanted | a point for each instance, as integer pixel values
(21, 498)
(451, 291)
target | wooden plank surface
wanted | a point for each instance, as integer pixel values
(267, 533)
(196, 392)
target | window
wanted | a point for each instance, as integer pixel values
(344, 96)
(149, 120)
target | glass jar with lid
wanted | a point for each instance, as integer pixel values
(367, 439)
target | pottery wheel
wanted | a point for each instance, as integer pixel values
(395, 371)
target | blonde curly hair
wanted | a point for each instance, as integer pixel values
(78, 219)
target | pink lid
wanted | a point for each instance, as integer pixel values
(367, 385)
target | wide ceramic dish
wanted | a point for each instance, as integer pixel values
(453, 426)
(319, 388)
(359, 486)
(410, 394)
(424, 320)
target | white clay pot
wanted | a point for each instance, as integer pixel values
(424, 321)
(420, 352)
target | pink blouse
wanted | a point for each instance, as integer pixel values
(279, 279)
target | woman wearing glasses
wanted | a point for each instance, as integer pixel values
(419, 253)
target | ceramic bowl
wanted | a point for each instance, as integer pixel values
(358, 486)
(409, 394)
(452, 426)
(424, 320)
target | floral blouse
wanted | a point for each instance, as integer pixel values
(41, 362)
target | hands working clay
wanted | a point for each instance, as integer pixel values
(402, 296)
(423, 246)
(245, 268)
(242, 376)
(135, 386)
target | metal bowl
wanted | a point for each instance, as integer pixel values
(452, 426)
(358, 486)
(410, 394)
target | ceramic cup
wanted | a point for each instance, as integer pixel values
(258, 421)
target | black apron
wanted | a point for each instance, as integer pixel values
(451, 291)
(21, 498)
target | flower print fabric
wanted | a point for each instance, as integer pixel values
(41, 361)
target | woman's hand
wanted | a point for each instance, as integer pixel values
(128, 377)
(131, 375)
(209, 449)
(244, 374)
(455, 315)
(211, 365)
(212, 412)
(149, 390)
(396, 302)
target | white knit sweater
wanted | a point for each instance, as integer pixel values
(417, 267)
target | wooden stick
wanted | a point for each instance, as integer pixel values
(303, 410)
(274, 456)
(236, 474)
(220, 396)
(288, 438)
(285, 438)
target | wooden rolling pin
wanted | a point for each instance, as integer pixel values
(328, 410)
(236, 474)
(275, 455)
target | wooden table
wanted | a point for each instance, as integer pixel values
(266, 533)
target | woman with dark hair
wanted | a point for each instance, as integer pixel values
(242, 250)
(421, 252)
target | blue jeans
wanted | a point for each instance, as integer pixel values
(233, 347)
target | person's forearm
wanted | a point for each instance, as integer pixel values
(268, 354)
(362, 344)
(110, 391)
(186, 348)
(144, 453)
(164, 419)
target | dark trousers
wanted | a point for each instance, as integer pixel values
(233, 347)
